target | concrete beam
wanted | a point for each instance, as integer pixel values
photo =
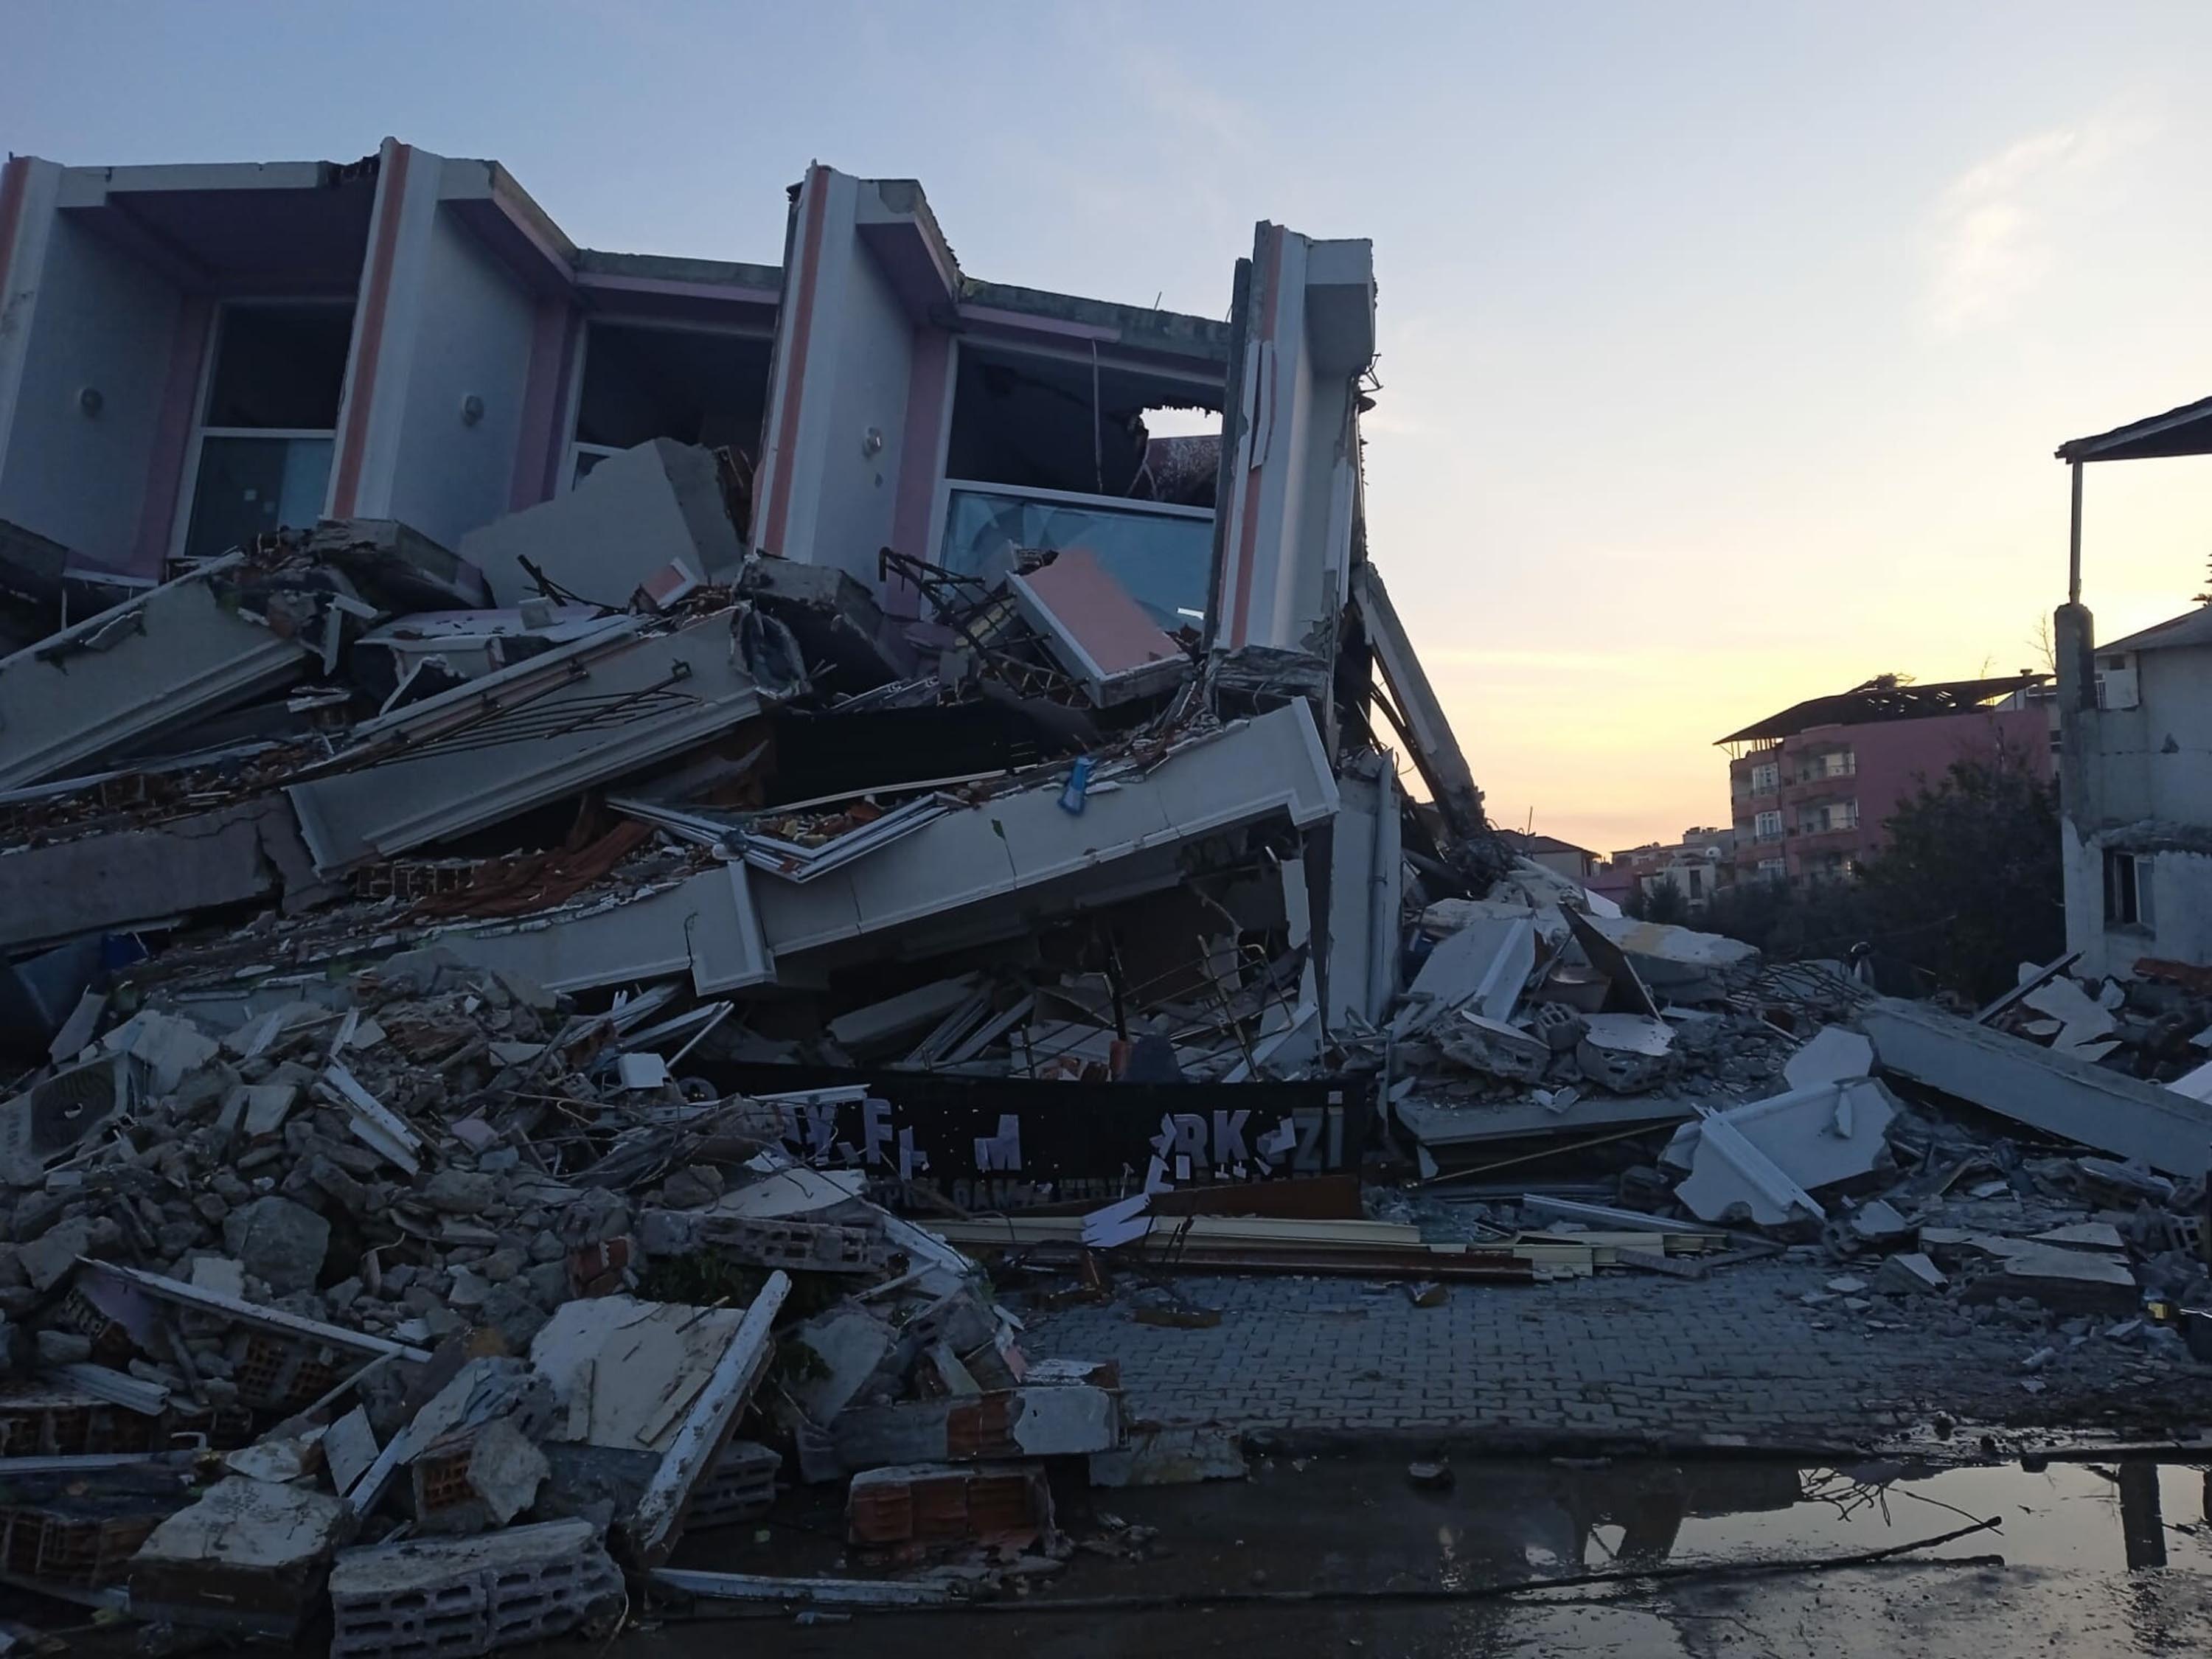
(1023, 841)
(173, 653)
(549, 726)
(2054, 1092)
(110, 883)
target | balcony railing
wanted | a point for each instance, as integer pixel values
(1162, 556)
(1835, 765)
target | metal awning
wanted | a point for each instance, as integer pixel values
(2184, 431)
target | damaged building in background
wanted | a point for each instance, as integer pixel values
(2135, 719)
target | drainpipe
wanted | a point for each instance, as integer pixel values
(2074, 543)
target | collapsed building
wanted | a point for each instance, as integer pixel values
(695, 512)
(555, 806)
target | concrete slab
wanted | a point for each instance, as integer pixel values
(1023, 842)
(1483, 967)
(635, 512)
(549, 726)
(2057, 1093)
(1820, 1136)
(173, 653)
(1625, 1053)
(1679, 963)
(1058, 1421)
(1829, 1056)
(1494, 1048)
(704, 926)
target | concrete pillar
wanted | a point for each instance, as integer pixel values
(2073, 636)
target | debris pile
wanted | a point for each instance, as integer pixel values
(480, 1028)
(440, 1312)
(1534, 1022)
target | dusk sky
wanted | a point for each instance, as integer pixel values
(1724, 347)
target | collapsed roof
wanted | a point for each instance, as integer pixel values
(1885, 698)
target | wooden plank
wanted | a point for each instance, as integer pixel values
(658, 1520)
(1026, 1229)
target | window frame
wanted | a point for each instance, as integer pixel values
(188, 487)
(2126, 895)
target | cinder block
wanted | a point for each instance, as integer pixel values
(742, 1487)
(445, 1599)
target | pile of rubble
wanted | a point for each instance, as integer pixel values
(480, 1022)
(443, 1311)
(1539, 1017)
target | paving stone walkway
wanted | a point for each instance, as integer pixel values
(1733, 1359)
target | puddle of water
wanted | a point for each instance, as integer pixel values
(1354, 1521)
(2091, 1517)
(2083, 1544)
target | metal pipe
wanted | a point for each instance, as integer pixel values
(2074, 543)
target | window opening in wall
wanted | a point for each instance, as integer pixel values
(697, 386)
(1766, 778)
(2126, 900)
(269, 427)
(1051, 451)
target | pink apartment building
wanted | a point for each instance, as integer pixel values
(1812, 785)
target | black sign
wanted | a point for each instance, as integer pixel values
(1012, 1143)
